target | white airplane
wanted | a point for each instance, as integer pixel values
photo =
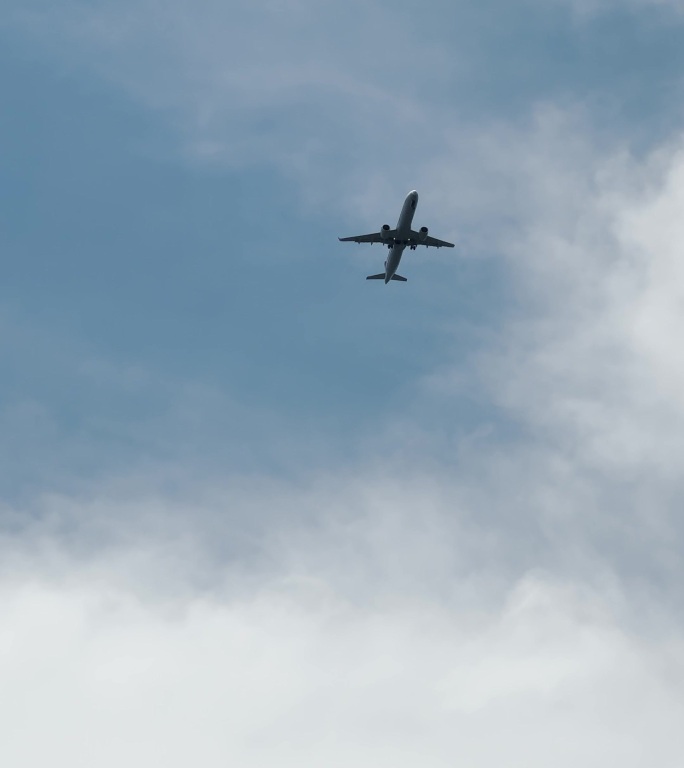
(397, 239)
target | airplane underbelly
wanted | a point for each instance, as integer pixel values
(393, 260)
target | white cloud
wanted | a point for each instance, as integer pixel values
(376, 617)
(592, 355)
(283, 663)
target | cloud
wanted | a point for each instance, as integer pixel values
(311, 89)
(600, 276)
(336, 648)
(264, 84)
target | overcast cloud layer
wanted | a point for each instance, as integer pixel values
(257, 513)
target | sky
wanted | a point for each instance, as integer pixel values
(257, 511)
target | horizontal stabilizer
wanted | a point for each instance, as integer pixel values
(381, 276)
(399, 277)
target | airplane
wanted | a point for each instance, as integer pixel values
(397, 239)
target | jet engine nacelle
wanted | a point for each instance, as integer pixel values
(423, 233)
(384, 232)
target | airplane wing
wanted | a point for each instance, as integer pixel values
(374, 237)
(417, 239)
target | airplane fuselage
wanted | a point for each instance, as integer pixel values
(403, 233)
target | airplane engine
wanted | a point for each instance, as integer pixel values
(423, 233)
(383, 232)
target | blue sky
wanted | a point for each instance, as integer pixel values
(345, 523)
(200, 273)
(123, 247)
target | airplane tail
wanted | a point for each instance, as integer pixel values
(381, 276)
